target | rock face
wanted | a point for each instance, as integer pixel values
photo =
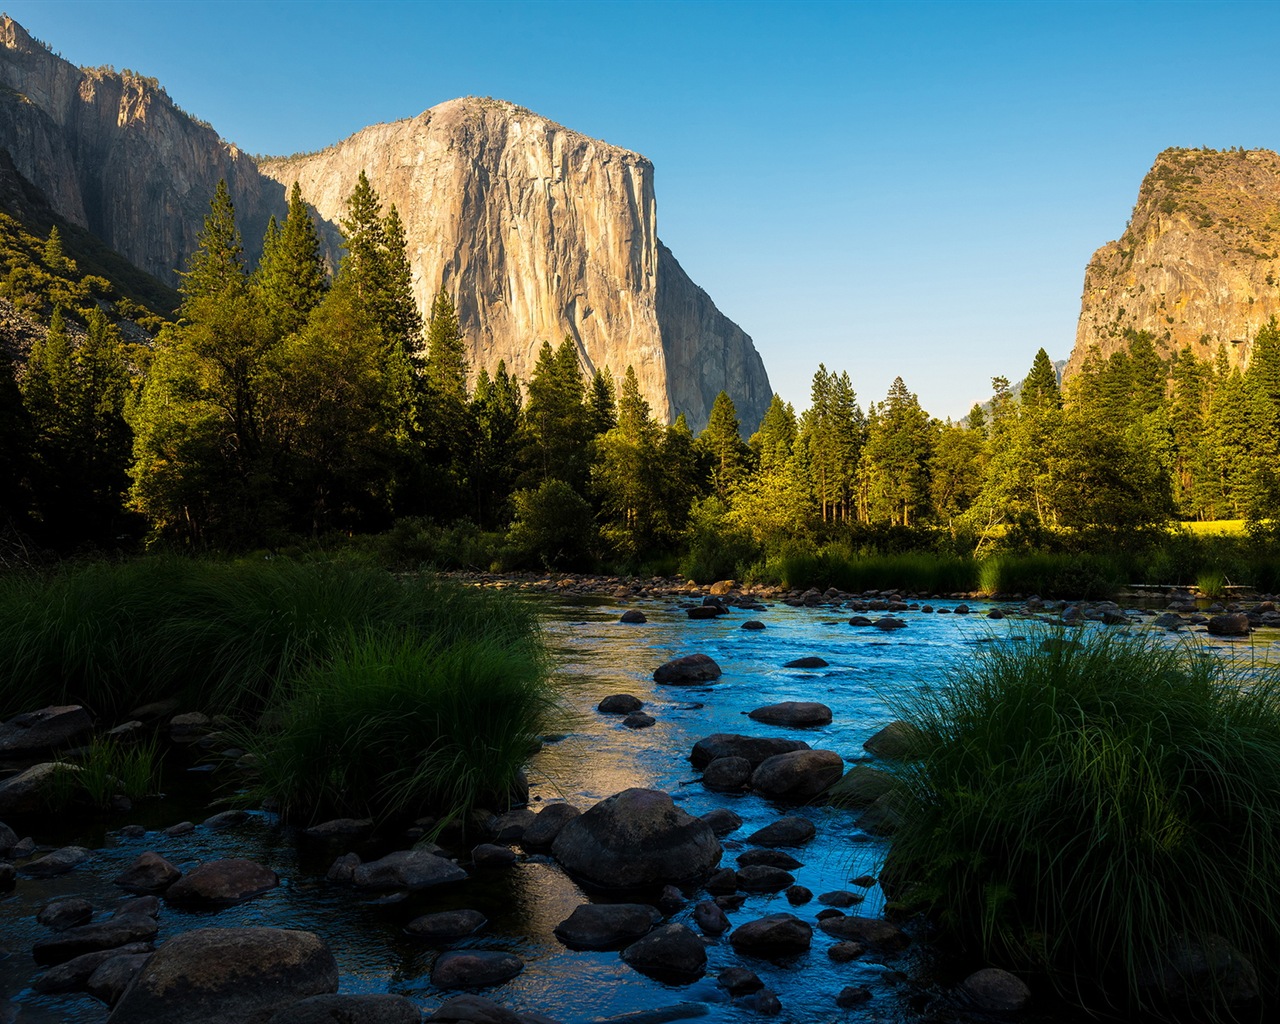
(1199, 264)
(113, 154)
(538, 232)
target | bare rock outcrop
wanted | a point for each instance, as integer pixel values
(1199, 263)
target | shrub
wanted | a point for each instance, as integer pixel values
(553, 527)
(394, 727)
(1080, 806)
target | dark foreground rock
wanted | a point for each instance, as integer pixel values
(687, 671)
(895, 741)
(790, 831)
(474, 968)
(47, 729)
(68, 858)
(634, 838)
(798, 776)
(996, 991)
(473, 1009)
(89, 938)
(74, 974)
(607, 925)
(407, 869)
(797, 714)
(544, 828)
(753, 748)
(774, 935)
(113, 975)
(149, 873)
(227, 976)
(870, 931)
(222, 883)
(672, 951)
(446, 925)
(349, 1009)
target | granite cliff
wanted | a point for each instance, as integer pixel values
(536, 231)
(1198, 264)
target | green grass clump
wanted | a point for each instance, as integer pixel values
(1076, 808)
(107, 768)
(215, 634)
(1070, 575)
(391, 726)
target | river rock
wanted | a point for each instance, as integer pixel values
(810, 662)
(859, 620)
(798, 895)
(1209, 974)
(8, 877)
(738, 981)
(227, 976)
(704, 612)
(709, 917)
(620, 704)
(1230, 624)
(789, 831)
(870, 931)
(722, 821)
(60, 862)
(762, 878)
(474, 968)
(754, 748)
(8, 839)
(632, 615)
(861, 786)
(473, 1009)
(607, 925)
(148, 905)
(727, 774)
(546, 825)
(887, 623)
(1168, 620)
(446, 925)
(89, 938)
(149, 873)
(407, 869)
(221, 883)
(491, 856)
(852, 995)
(335, 1008)
(33, 790)
(754, 625)
(846, 950)
(722, 882)
(113, 975)
(343, 869)
(674, 950)
(639, 720)
(74, 974)
(634, 838)
(687, 671)
(798, 776)
(885, 816)
(896, 741)
(768, 857)
(60, 915)
(773, 935)
(995, 991)
(36, 732)
(840, 898)
(796, 714)
(340, 828)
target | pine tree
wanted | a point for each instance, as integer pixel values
(721, 447)
(403, 320)
(898, 452)
(55, 260)
(1040, 387)
(603, 399)
(216, 268)
(291, 279)
(497, 415)
(15, 449)
(557, 420)
(446, 363)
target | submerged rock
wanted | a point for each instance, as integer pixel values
(149, 873)
(447, 925)
(798, 714)
(773, 935)
(607, 925)
(474, 968)
(753, 748)
(790, 831)
(798, 776)
(672, 951)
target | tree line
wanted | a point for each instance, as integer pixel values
(284, 402)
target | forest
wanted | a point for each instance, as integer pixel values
(283, 406)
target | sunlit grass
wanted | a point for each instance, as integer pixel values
(1077, 808)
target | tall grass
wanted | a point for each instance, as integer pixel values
(392, 726)
(1080, 808)
(214, 634)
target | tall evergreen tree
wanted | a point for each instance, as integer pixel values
(497, 415)
(216, 268)
(291, 279)
(603, 400)
(721, 447)
(897, 454)
(557, 420)
(1040, 387)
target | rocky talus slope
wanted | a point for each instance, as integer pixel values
(1199, 263)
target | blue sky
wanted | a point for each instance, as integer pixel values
(906, 189)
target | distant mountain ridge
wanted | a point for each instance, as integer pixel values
(1198, 264)
(536, 231)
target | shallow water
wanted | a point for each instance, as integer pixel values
(595, 757)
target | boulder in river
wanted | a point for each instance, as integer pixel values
(149, 873)
(446, 925)
(687, 671)
(33, 790)
(727, 774)
(227, 976)
(59, 862)
(895, 741)
(811, 661)
(607, 925)
(797, 714)
(798, 776)
(407, 869)
(993, 990)
(872, 932)
(544, 828)
(634, 838)
(729, 744)
(222, 883)
(773, 935)
(60, 915)
(474, 968)
(1229, 624)
(337, 1008)
(789, 831)
(620, 704)
(89, 938)
(674, 951)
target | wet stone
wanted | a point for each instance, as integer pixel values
(638, 720)
(113, 975)
(340, 828)
(633, 615)
(798, 714)
(872, 932)
(60, 862)
(710, 918)
(789, 832)
(336, 1008)
(474, 968)
(722, 821)
(809, 662)
(762, 878)
(89, 938)
(738, 981)
(149, 873)
(798, 895)
(674, 950)
(852, 995)
(766, 1003)
(344, 868)
(840, 898)
(63, 914)
(727, 774)
(772, 858)
(490, 856)
(407, 869)
(447, 925)
(221, 883)
(73, 975)
(607, 925)
(620, 704)
(546, 825)
(753, 625)
(772, 935)
(183, 828)
(845, 951)
(687, 671)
